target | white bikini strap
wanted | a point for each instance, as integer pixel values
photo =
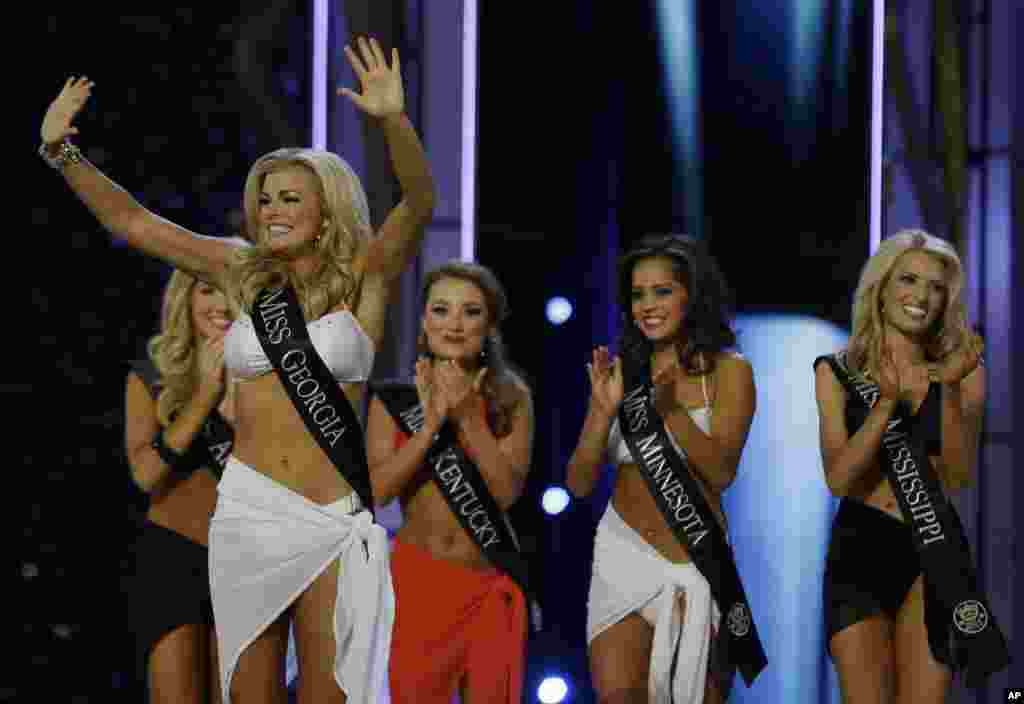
(704, 388)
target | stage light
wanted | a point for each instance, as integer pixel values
(555, 500)
(559, 309)
(552, 690)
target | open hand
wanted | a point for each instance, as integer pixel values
(606, 385)
(382, 93)
(69, 102)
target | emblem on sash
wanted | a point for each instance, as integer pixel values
(970, 617)
(739, 620)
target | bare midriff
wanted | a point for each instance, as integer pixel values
(430, 524)
(272, 439)
(873, 489)
(633, 501)
(186, 506)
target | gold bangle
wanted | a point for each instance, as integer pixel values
(67, 154)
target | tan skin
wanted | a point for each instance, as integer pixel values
(881, 660)
(620, 656)
(456, 321)
(182, 666)
(270, 437)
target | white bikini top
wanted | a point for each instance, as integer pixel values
(337, 337)
(618, 450)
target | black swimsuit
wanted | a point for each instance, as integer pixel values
(872, 562)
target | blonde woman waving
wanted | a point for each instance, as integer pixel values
(292, 541)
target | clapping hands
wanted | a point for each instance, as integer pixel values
(210, 364)
(960, 363)
(606, 385)
(446, 391)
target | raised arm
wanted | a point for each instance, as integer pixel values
(149, 471)
(391, 468)
(504, 462)
(606, 388)
(383, 98)
(715, 457)
(963, 403)
(115, 208)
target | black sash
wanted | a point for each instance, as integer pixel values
(977, 645)
(462, 486)
(317, 397)
(684, 508)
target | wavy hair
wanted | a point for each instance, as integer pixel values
(173, 349)
(707, 321)
(948, 332)
(346, 231)
(503, 387)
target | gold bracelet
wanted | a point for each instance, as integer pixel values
(67, 154)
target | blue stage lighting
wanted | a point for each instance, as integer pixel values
(555, 500)
(552, 690)
(559, 309)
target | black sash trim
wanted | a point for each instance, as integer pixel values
(687, 513)
(317, 397)
(463, 487)
(977, 646)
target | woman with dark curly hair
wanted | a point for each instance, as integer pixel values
(900, 414)
(672, 413)
(456, 453)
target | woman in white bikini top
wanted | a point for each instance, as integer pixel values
(650, 610)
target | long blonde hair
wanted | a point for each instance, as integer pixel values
(347, 230)
(173, 349)
(864, 353)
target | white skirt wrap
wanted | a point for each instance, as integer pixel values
(267, 546)
(630, 576)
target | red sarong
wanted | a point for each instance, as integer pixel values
(454, 625)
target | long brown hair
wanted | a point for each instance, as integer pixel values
(503, 388)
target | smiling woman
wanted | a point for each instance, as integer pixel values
(177, 436)
(455, 448)
(900, 414)
(314, 269)
(290, 209)
(677, 405)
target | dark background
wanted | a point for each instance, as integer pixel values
(574, 163)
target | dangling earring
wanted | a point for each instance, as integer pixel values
(485, 351)
(323, 231)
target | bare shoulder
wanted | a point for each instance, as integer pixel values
(519, 392)
(827, 388)
(973, 387)
(732, 365)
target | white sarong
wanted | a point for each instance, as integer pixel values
(630, 576)
(267, 546)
